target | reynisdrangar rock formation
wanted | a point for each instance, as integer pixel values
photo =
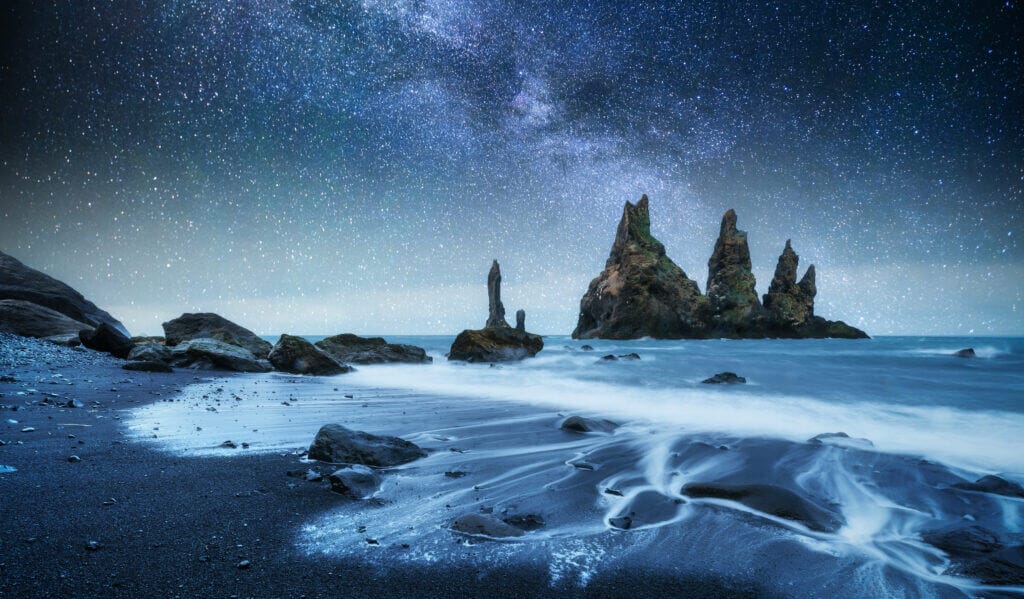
(642, 293)
(497, 341)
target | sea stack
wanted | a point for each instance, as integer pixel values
(496, 342)
(730, 291)
(641, 292)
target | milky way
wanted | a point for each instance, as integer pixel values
(318, 167)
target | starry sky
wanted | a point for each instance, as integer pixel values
(315, 167)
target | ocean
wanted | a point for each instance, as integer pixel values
(916, 422)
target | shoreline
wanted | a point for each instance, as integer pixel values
(177, 526)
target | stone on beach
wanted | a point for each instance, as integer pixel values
(486, 525)
(211, 354)
(770, 499)
(356, 481)
(298, 356)
(150, 351)
(148, 366)
(582, 424)
(348, 348)
(207, 325)
(106, 338)
(339, 445)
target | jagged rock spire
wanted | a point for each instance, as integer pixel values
(730, 291)
(634, 232)
(789, 303)
(496, 310)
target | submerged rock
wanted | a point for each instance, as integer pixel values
(486, 525)
(1004, 568)
(19, 282)
(993, 484)
(217, 355)
(969, 541)
(106, 338)
(347, 348)
(582, 424)
(298, 356)
(336, 444)
(26, 319)
(525, 522)
(641, 292)
(725, 378)
(965, 353)
(206, 325)
(355, 481)
(770, 499)
(841, 439)
(645, 508)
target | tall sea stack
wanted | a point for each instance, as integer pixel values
(641, 292)
(496, 342)
(496, 310)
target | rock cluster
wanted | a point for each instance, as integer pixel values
(497, 341)
(642, 293)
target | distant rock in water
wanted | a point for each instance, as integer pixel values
(993, 484)
(966, 353)
(207, 325)
(730, 291)
(212, 354)
(19, 282)
(726, 378)
(295, 355)
(26, 319)
(106, 338)
(641, 293)
(348, 348)
(496, 342)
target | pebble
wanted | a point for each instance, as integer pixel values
(93, 546)
(28, 429)
(244, 564)
(74, 458)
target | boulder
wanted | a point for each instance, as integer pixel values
(993, 484)
(965, 353)
(20, 317)
(216, 355)
(206, 325)
(725, 378)
(1004, 568)
(641, 292)
(339, 445)
(495, 344)
(770, 499)
(485, 525)
(354, 481)
(65, 340)
(352, 349)
(582, 424)
(19, 282)
(150, 351)
(148, 366)
(298, 356)
(106, 338)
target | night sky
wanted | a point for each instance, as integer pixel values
(318, 167)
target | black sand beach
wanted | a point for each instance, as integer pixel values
(169, 526)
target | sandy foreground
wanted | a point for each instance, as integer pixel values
(127, 520)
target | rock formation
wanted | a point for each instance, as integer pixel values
(213, 354)
(495, 309)
(790, 305)
(106, 338)
(206, 325)
(19, 282)
(339, 445)
(295, 355)
(730, 291)
(24, 318)
(347, 348)
(496, 342)
(640, 292)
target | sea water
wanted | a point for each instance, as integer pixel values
(919, 421)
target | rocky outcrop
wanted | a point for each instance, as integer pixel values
(495, 309)
(498, 342)
(24, 318)
(339, 445)
(211, 354)
(725, 378)
(150, 351)
(206, 325)
(297, 356)
(641, 292)
(106, 338)
(19, 282)
(352, 349)
(790, 305)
